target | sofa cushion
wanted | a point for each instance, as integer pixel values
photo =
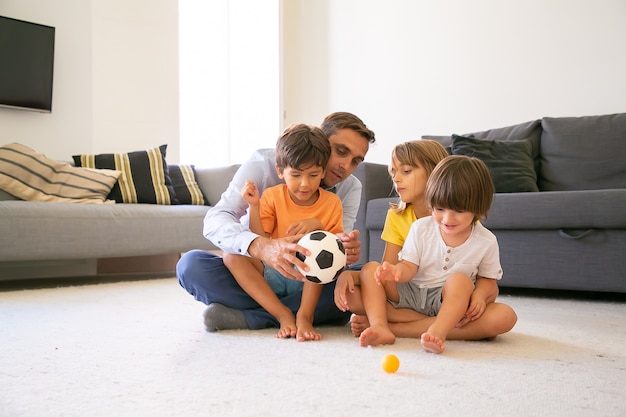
(29, 175)
(583, 153)
(530, 131)
(553, 210)
(186, 188)
(144, 179)
(510, 162)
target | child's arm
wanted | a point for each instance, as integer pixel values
(487, 289)
(304, 226)
(403, 271)
(250, 193)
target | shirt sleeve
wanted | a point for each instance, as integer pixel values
(336, 222)
(349, 191)
(391, 231)
(223, 224)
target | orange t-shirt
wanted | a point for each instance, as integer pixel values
(278, 211)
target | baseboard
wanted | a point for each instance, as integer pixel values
(138, 264)
(75, 269)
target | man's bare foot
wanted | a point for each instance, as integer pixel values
(375, 336)
(306, 332)
(358, 324)
(432, 343)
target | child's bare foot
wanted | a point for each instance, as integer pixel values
(358, 324)
(287, 331)
(287, 326)
(306, 332)
(375, 336)
(432, 343)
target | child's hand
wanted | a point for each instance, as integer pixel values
(250, 193)
(304, 226)
(345, 284)
(476, 309)
(386, 272)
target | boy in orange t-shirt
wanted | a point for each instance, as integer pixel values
(297, 207)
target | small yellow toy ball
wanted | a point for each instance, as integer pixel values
(390, 363)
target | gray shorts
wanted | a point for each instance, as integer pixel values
(423, 300)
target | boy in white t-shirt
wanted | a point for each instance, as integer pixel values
(449, 260)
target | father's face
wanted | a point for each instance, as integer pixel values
(348, 151)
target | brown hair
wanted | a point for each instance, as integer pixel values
(461, 183)
(344, 120)
(301, 146)
(424, 152)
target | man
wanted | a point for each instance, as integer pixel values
(204, 275)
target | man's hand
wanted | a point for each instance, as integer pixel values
(280, 254)
(352, 245)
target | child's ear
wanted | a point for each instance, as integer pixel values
(279, 172)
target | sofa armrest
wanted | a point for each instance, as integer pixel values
(376, 184)
(375, 222)
(214, 181)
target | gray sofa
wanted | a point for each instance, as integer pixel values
(54, 240)
(570, 233)
(43, 239)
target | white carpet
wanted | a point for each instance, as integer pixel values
(139, 349)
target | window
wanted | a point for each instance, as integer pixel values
(229, 79)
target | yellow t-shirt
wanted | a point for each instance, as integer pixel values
(278, 211)
(397, 225)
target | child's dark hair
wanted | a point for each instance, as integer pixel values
(461, 183)
(301, 146)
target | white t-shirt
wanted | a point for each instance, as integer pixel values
(424, 246)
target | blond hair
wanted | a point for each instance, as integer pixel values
(424, 152)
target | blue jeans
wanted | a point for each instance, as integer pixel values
(204, 275)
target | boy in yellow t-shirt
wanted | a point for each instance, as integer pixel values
(297, 207)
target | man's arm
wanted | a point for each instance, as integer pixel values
(226, 224)
(224, 227)
(349, 192)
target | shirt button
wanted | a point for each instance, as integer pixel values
(445, 268)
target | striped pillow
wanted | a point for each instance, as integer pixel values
(144, 179)
(185, 185)
(29, 175)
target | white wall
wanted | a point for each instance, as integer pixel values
(68, 128)
(407, 67)
(415, 67)
(115, 78)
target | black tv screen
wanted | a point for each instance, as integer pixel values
(26, 65)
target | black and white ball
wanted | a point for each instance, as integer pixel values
(328, 256)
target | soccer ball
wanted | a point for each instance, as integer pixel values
(328, 256)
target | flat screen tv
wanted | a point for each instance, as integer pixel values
(26, 65)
